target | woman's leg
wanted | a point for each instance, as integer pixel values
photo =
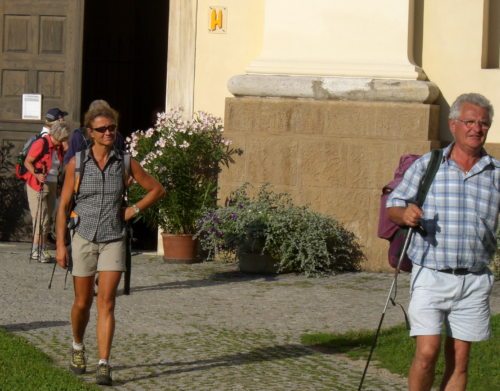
(80, 312)
(38, 209)
(106, 297)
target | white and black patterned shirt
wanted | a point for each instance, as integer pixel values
(99, 200)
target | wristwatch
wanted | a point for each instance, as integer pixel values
(136, 209)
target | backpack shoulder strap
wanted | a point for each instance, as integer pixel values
(45, 148)
(85, 140)
(428, 177)
(79, 169)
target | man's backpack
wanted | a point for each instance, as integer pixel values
(21, 170)
(389, 230)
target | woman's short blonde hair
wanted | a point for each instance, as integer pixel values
(100, 110)
(59, 130)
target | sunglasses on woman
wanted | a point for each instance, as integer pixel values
(102, 129)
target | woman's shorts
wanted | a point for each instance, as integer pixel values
(90, 257)
(459, 302)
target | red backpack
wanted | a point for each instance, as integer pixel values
(386, 228)
(392, 232)
(20, 169)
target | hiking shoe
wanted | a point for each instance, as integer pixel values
(103, 375)
(46, 257)
(34, 255)
(78, 364)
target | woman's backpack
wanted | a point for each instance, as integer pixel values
(20, 169)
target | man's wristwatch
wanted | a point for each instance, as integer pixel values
(136, 209)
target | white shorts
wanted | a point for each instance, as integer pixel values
(461, 303)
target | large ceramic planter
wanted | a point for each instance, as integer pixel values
(179, 248)
(257, 263)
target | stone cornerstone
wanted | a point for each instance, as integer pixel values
(334, 156)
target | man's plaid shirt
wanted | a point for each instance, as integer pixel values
(460, 213)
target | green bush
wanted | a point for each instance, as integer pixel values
(495, 265)
(299, 239)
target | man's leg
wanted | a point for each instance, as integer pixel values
(456, 356)
(422, 368)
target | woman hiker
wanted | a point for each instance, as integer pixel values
(98, 240)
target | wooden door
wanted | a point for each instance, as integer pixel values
(41, 50)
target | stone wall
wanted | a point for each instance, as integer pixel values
(332, 155)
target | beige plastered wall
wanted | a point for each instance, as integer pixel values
(450, 55)
(222, 55)
(452, 50)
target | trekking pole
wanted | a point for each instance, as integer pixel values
(40, 226)
(128, 260)
(52, 276)
(69, 268)
(409, 234)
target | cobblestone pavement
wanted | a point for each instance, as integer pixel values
(208, 327)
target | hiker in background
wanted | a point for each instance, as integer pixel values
(53, 116)
(98, 239)
(80, 140)
(43, 167)
(451, 282)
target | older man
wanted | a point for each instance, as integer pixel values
(451, 282)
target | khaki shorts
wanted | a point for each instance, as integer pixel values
(90, 257)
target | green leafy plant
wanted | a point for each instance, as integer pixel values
(495, 265)
(299, 239)
(185, 156)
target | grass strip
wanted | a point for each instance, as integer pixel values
(24, 367)
(395, 349)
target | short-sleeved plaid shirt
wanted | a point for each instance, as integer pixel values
(99, 200)
(460, 213)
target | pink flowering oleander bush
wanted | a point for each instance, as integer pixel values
(185, 156)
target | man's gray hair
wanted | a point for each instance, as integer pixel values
(59, 131)
(472, 98)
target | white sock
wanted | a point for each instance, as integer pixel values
(77, 346)
(103, 361)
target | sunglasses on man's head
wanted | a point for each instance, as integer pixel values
(102, 129)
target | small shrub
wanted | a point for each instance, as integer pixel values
(495, 265)
(299, 239)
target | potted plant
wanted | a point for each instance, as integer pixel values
(268, 233)
(185, 156)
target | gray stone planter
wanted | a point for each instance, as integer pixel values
(257, 263)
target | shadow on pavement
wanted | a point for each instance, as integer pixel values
(212, 280)
(34, 325)
(240, 358)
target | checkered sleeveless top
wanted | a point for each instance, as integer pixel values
(99, 201)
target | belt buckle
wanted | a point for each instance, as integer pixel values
(459, 271)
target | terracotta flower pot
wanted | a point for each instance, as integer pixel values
(179, 248)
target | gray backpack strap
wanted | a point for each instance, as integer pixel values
(79, 169)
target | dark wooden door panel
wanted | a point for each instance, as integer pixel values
(41, 52)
